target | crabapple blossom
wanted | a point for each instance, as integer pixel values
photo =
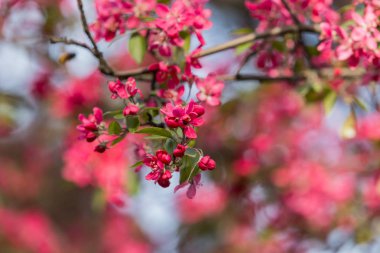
(185, 117)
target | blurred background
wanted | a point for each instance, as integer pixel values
(287, 178)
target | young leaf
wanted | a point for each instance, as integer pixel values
(119, 116)
(348, 130)
(139, 163)
(329, 101)
(133, 183)
(243, 47)
(117, 140)
(155, 131)
(113, 113)
(279, 45)
(187, 40)
(114, 128)
(137, 47)
(170, 145)
(133, 123)
(361, 103)
(242, 31)
(189, 168)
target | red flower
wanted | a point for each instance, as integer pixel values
(157, 164)
(124, 91)
(163, 156)
(206, 163)
(179, 151)
(131, 110)
(89, 126)
(101, 148)
(210, 90)
(184, 117)
(164, 179)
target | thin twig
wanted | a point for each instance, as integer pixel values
(291, 12)
(103, 65)
(262, 78)
(66, 41)
(275, 32)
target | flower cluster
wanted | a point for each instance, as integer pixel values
(91, 125)
(184, 117)
(167, 25)
(157, 163)
(356, 38)
(117, 16)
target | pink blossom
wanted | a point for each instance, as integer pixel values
(90, 125)
(369, 127)
(210, 90)
(206, 163)
(184, 117)
(131, 109)
(29, 230)
(157, 165)
(124, 91)
(209, 202)
(84, 167)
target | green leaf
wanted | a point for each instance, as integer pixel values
(242, 31)
(170, 145)
(329, 101)
(348, 130)
(114, 128)
(192, 152)
(133, 183)
(192, 143)
(155, 131)
(133, 123)
(98, 201)
(279, 45)
(113, 113)
(243, 48)
(163, 1)
(361, 103)
(189, 168)
(187, 40)
(313, 51)
(137, 47)
(179, 57)
(119, 116)
(117, 140)
(139, 163)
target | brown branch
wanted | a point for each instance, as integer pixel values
(291, 12)
(261, 78)
(275, 32)
(66, 41)
(103, 65)
(347, 74)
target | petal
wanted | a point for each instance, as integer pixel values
(191, 191)
(190, 133)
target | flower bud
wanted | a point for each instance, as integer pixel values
(163, 156)
(101, 148)
(90, 137)
(206, 163)
(131, 110)
(179, 151)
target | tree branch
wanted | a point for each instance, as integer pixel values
(291, 12)
(66, 41)
(103, 65)
(346, 74)
(246, 77)
(275, 32)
